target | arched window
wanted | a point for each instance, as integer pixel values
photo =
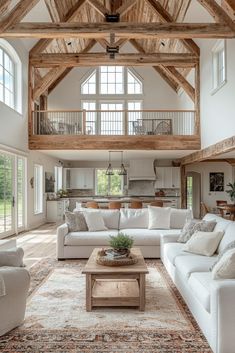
(10, 76)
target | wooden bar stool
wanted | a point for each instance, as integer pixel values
(136, 204)
(115, 205)
(157, 203)
(92, 204)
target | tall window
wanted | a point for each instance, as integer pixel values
(7, 79)
(106, 93)
(58, 178)
(219, 65)
(108, 184)
(10, 76)
(38, 188)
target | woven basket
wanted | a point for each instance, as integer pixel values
(103, 260)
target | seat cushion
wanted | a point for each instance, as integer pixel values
(144, 236)
(199, 282)
(172, 250)
(100, 238)
(134, 218)
(193, 263)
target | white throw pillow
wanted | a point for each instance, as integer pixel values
(179, 217)
(133, 218)
(94, 221)
(225, 268)
(159, 217)
(203, 243)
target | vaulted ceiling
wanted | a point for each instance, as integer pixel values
(134, 12)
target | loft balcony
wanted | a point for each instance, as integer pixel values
(112, 129)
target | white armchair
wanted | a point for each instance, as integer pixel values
(15, 281)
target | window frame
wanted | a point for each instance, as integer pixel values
(219, 47)
(13, 76)
(58, 178)
(38, 189)
(109, 183)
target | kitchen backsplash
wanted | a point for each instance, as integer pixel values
(80, 192)
(141, 187)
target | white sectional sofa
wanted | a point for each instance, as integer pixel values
(129, 221)
(212, 302)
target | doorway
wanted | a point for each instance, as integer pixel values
(12, 194)
(194, 193)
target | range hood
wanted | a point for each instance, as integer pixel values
(142, 169)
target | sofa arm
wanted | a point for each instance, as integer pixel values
(61, 233)
(223, 315)
(169, 238)
(13, 304)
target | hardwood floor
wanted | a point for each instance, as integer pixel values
(38, 243)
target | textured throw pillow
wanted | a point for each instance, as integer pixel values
(159, 217)
(228, 247)
(76, 221)
(225, 268)
(191, 227)
(12, 257)
(203, 243)
(94, 221)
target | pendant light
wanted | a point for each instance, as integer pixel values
(123, 170)
(109, 170)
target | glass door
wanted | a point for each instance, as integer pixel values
(20, 209)
(7, 221)
(12, 194)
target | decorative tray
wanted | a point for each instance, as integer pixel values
(105, 260)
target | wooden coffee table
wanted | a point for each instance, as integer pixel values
(115, 286)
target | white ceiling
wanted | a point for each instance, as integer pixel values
(102, 155)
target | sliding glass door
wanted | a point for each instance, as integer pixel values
(12, 194)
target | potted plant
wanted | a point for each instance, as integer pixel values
(231, 192)
(121, 243)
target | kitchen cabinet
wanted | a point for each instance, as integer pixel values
(79, 178)
(167, 178)
(56, 209)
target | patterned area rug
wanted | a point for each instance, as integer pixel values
(57, 322)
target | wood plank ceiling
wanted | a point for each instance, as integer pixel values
(136, 11)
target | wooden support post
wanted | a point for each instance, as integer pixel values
(30, 100)
(183, 187)
(126, 122)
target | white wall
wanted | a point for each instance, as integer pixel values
(48, 164)
(209, 198)
(217, 111)
(13, 132)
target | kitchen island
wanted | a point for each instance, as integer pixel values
(170, 201)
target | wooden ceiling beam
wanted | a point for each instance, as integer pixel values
(101, 9)
(169, 80)
(217, 12)
(4, 5)
(55, 83)
(67, 70)
(166, 17)
(229, 7)
(46, 81)
(209, 152)
(181, 80)
(127, 6)
(22, 8)
(42, 44)
(97, 59)
(121, 29)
